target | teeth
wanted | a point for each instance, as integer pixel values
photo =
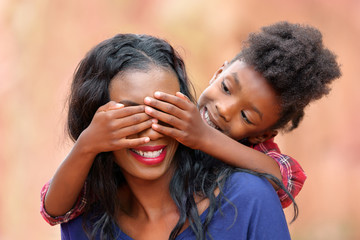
(208, 121)
(152, 154)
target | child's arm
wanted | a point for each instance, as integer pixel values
(293, 175)
(189, 129)
(76, 210)
(106, 132)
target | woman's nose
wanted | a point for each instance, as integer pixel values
(151, 133)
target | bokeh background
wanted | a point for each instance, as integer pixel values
(42, 41)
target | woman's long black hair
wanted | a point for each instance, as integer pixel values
(90, 90)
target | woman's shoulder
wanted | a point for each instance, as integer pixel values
(249, 205)
(244, 183)
(73, 229)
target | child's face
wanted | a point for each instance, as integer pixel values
(239, 102)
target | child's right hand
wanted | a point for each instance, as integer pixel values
(112, 124)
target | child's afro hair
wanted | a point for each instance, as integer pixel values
(295, 63)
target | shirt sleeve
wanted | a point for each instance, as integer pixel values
(71, 214)
(293, 176)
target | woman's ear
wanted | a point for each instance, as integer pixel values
(218, 72)
(262, 137)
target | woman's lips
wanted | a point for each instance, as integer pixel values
(149, 155)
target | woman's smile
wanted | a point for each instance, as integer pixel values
(149, 155)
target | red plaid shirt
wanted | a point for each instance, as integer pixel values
(293, 178)
(73, 213)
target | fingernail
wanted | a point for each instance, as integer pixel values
(147, 100)
(157, 94)
(148, 109)
(119, 105)
(154, 120)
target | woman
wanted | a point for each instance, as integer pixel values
(141, 184)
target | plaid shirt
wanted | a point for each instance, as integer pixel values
(293, 178)
(73, 213)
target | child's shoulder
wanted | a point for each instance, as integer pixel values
(267, 146)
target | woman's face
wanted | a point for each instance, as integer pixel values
(153, 159)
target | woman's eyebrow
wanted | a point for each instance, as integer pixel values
(129, 103)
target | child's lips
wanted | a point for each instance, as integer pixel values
(206, 116)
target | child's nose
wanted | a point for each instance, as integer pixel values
(226, 110)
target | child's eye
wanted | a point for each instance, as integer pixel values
(224, 87)
(246, 119)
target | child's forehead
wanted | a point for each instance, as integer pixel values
(240, 71)
(244, 82)
(237, 67)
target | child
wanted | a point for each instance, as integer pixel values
(264, 89)
(291, 80)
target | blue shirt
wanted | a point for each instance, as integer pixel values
(259, 214)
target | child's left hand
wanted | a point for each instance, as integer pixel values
(186, 124)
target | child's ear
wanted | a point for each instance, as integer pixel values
(217, 73)
(262, 137)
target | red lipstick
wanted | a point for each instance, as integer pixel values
(149, 155)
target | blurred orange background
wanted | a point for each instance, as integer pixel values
(42, 41)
